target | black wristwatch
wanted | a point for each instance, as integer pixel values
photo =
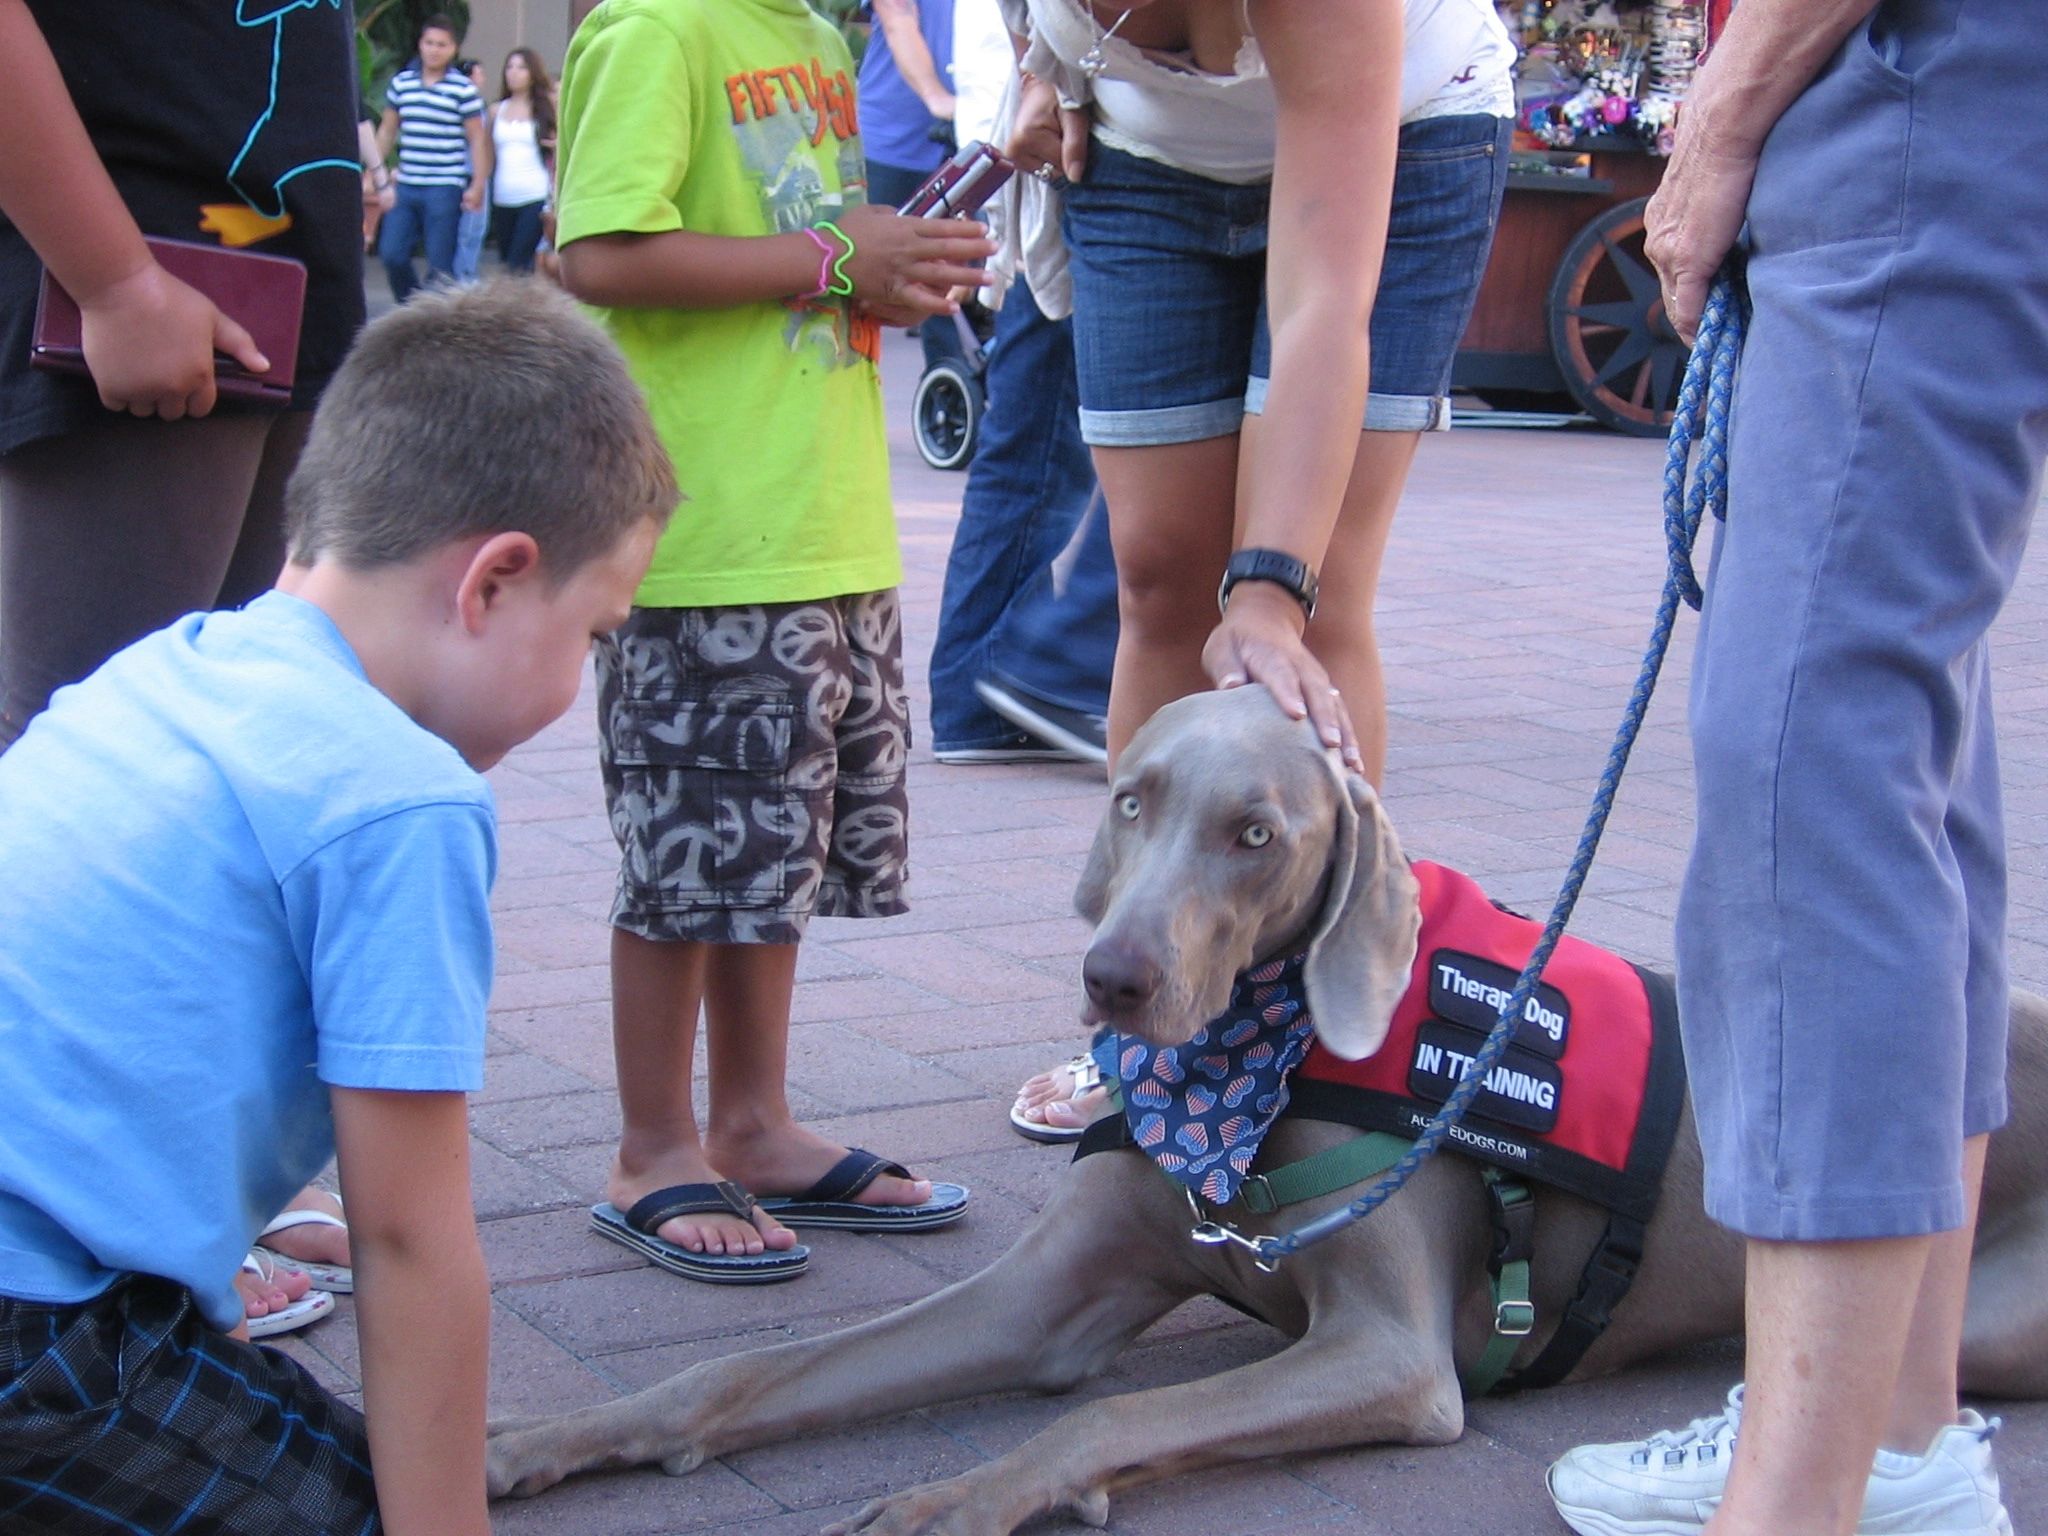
(1276, 566)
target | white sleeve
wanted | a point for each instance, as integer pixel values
(983, 61)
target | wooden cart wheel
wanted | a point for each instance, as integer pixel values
(1618, 354)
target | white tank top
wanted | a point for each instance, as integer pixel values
(1456, 59)
(521, 175)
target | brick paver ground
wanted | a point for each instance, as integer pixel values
(1516, 602)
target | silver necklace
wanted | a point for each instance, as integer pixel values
(1093, 62)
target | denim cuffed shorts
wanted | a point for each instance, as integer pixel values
(1842, 927)
(1169, 273)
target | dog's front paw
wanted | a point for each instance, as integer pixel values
(528, 1456)
(976, 1504)
(949, 1508)
(520, 1459)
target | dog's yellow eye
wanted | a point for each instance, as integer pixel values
(1257, 835)
(1127, 807)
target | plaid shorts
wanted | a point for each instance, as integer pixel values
(753, 765)
(129, 1414)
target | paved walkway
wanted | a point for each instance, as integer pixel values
(1517, 596)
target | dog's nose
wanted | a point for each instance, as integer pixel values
(1118, 982)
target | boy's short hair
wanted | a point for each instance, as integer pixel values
(483, 410)
(440, 21)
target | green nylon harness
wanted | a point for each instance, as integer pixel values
(1353, 1161)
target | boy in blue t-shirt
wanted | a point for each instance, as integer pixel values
(244, 886)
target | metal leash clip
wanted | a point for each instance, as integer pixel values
(1215, 1234)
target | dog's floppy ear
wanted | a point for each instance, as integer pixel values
(1091, 896)
(1362, 947)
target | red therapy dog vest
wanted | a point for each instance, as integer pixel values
(1588, 1095)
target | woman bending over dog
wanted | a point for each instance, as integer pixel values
(1277, 218)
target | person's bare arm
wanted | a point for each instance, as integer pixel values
(898, 263)
(480, 163)
(149, 339)
(387, 134)
(913, 55)
(376, 175)
(367, 152)
(1337, 78)
(422, 1305)
(1767, 56)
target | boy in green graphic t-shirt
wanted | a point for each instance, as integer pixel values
(752, 711)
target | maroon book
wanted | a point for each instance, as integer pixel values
(265, 295)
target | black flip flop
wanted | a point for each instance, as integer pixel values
(830, 1202)
(635, 1229)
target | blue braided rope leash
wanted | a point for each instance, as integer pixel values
(1700, 423)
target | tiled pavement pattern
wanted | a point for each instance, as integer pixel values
(1516, 602)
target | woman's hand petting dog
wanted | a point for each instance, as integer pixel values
(1259, 640)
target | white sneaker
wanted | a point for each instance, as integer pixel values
(1951, 1490)
(1666, 1485)
(1671, 1483)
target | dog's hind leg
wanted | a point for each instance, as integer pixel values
(1084, 1279)
(2005, 1328)
(1377, 1382)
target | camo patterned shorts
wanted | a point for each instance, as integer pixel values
(753, 766)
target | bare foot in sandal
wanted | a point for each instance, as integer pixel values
(275, 1299)
(311, 1234)
(785, 1159)
(1060, 1104)
(264, 1293)
(710, 1232)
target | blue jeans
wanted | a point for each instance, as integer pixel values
(469, 244)
(1169, 276)
(515, 230)
(1012, 604)
(421, 216)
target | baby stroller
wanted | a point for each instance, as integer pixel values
(945, 413)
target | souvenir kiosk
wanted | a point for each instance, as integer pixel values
(1569, 314)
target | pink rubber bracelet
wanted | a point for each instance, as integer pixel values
(826, 254)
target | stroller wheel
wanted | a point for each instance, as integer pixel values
(945, 415)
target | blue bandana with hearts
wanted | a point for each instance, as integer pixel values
(1200, 1110)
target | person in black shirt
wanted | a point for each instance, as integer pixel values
(128, 498)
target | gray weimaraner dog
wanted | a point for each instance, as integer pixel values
(1185, 894)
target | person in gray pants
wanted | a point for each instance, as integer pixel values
(1841, 931)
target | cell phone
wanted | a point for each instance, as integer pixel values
(957, 189)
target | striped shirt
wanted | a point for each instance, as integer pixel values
(433, 151)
